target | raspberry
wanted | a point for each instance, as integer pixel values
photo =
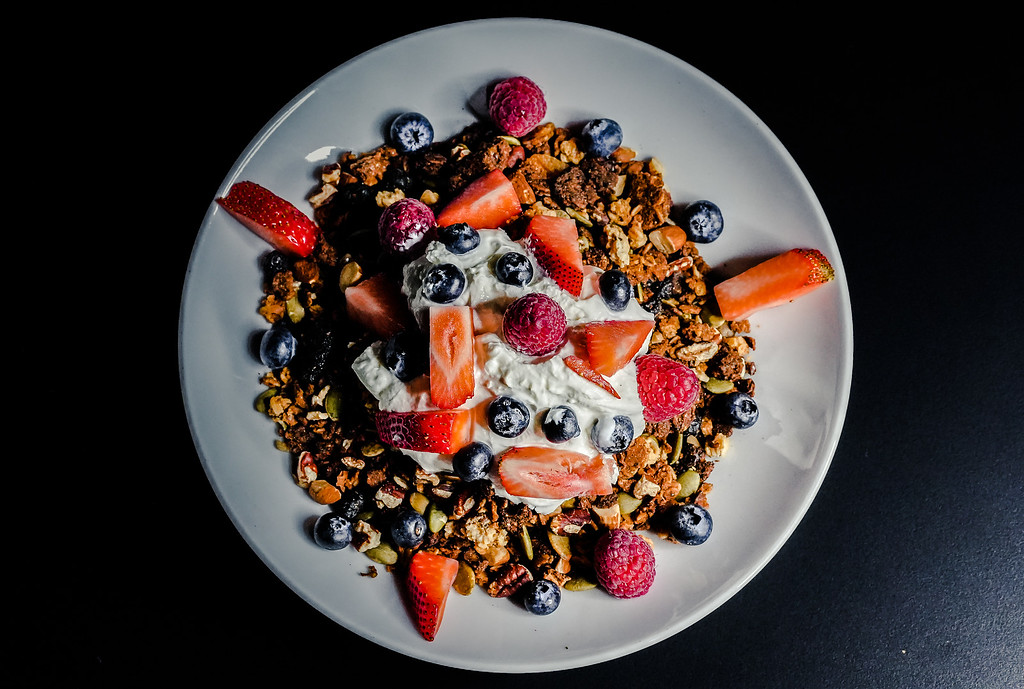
(404, 226)
(534, 325)
(624, 563)
(517, 105)
(667, 387)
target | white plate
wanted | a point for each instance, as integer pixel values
(712, 147)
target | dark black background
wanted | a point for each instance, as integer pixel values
(907, 570)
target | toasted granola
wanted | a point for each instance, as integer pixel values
(324, 417)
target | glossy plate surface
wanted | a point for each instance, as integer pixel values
(711, 146)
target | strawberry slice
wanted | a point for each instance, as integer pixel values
(271, 217)
(778, 280)
(487, 202)
(581, 367)
(554, 241)
(444, 431)
(612, 344)
(452, 373)
(377, 304)
(428, 582)
(546, 472)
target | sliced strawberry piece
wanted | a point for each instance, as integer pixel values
(612, 344)
(488, 202)
(377, 304)
(428, 582)
(271, 217)
(452, 372)
(444, 432)
(545, 472)
(778, 280)
(554, 242)
(581, 367)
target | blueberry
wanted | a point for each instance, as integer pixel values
(601, 137)
(689, 524)
(560, 424)
(350, 504)
(507, 416)
(616, 289)
(738, 409)
(541, 597)
(514, 268)
(411, 131)
(444, 283)
(703, 222)
(277, 346)
(405, 355)
(473, 462)
(612, 434)
(460, 238)
(408, 529)
(275, 262)
(332, 531)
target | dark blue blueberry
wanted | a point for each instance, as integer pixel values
(541, 597)
(514, 268)
(560, 424)
(738, 409)
(601, 137)
(460, 238)
(405, 355)
(277, 346)
(411, 131)
(473, 462)
(350, 504)
(507, 416)
(612, 434)
(703, 222)
(689, 524)
(332, 531)
(616, 289)
(444, 283)
(408, 529)
(275, 262)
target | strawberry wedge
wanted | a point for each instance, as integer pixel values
(487, 202)
(544, 472)
(612, 344)
(582, 368)
(452, 374)
(428, 582)
(271, 217)
(778, 280)
(377, 304)
(554, 242)
(443, 432)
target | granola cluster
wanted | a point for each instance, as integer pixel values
(324, 418)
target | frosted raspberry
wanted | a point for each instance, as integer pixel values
(404, 225)
(517, 105)
(534, 325)
(624, 563)
(667, 387)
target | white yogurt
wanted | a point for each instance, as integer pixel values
(539, 382)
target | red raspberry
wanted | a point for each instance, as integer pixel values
(667, 387)
(534, 325)
(624, 563)
(404, 226)
(517, 105)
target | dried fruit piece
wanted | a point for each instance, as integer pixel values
(779, 280)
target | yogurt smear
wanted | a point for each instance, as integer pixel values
(539, 382)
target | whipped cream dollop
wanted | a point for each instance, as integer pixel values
(539, 382)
